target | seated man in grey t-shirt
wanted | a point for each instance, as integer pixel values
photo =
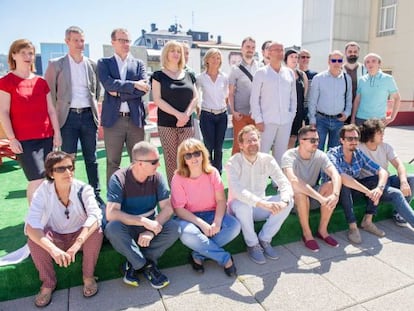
(302, 166)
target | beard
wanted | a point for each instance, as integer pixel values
(352, 59)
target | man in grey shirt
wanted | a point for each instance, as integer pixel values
(240, 85)
(302, 166)
(330, 100)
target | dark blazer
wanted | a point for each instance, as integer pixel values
(109, 76)
(59, 80)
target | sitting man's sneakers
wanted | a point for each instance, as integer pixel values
(154, 275)
(130, 274)
(256, 254)
(398, 220)
(268, 250)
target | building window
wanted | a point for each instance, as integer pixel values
(148, 43)
(160, 42)
(387, 16)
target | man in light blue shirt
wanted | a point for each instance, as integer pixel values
(330, 100)
(373, 92)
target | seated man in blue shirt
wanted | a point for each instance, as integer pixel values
(350, 161)
(134, 228)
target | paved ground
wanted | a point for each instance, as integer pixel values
(376, 275)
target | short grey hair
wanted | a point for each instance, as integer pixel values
(373, 55)
(142, 148)
(73, 29)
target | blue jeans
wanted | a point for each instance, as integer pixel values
(124, 239)
(209, 247)
(328, 127)
(81, 126)
(347, 199)
(401, 204)
(213, 127)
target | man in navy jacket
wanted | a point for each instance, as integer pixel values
(124, 79)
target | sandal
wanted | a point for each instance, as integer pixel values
(90, 287)
(43, 299)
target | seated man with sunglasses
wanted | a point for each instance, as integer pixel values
(330, 101)
(248, 175)
(302, 166)
(135, 228)
(350, 162)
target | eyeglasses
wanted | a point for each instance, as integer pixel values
(337, 60)
(351, 138)
(152, 162)
(123, 41)
(62, 169)
(304, 56)
(312, 140)
(195, 154)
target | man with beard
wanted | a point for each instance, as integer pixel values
(350, 162)
(352, 67)
(248, 175)
(400, 188)
(302, 166)
(240, 85)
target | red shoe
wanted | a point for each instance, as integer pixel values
(311, 244)
(328, 240)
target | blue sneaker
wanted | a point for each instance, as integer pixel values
(154, 275)
(130, 275)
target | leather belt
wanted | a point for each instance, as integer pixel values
(215, 111)
(80, 110)
(124, 114)
(329, 116)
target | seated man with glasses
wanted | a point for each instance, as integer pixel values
(135, 228)
(350, 162)
(248, 176)
(302, 166)
(330, 101)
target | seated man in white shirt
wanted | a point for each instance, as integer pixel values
(248, 175)
(399, 188)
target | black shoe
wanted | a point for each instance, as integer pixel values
(231, 271)
(196, 267)
(154, 275)
(130, 275)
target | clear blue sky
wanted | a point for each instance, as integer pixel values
(46, 20)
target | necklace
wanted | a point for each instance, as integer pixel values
(65, 205)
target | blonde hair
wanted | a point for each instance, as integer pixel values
(187, 146)
(167, 48)
(210, 53)
(15, 48)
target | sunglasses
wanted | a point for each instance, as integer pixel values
(152, 162)
(62, 169)
(351, 138)
(304, 56)
(189, 155)
(337, 60)
(312, 140)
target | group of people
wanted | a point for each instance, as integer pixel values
(268, 102)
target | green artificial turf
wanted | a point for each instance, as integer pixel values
(22, 279)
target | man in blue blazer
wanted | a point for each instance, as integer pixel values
(75, 90)
(123, 115)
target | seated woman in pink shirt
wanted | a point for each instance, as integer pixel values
(197, 195)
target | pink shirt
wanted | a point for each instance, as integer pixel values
(196, 195)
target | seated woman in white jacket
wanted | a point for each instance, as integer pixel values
(63, 219)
